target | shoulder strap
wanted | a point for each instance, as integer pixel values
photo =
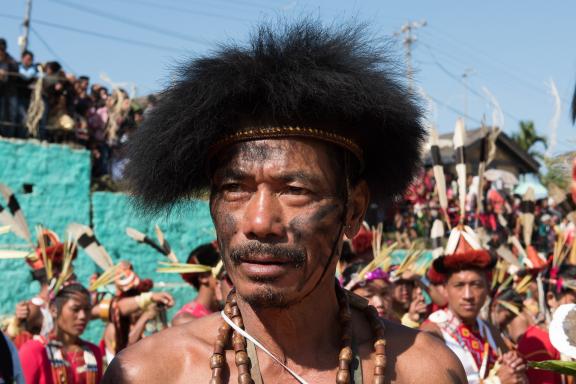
(255, 366)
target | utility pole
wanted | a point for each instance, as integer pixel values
(409, 39)
(23, 40)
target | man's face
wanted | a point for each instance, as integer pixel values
(466, 292)
(27, 60)
(278, 210)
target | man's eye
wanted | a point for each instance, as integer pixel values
(231, 187)
(296, 191)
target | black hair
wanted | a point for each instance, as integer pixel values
(347, 254)
(67, 292)
(205, 254)
(54, 66)
(27, 52)
(510, 295)
(351, 271)
(302, 74)
(40, 276)
(84, 77)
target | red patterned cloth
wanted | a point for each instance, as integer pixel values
(194, 309)
(535, 345)
(39, 369)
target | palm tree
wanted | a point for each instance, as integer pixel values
(527, 138)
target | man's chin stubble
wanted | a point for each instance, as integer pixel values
(266, 298)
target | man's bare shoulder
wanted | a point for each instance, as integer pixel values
(168, 355)
(418, 357)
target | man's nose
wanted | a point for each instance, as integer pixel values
(263, 217)
(467, 292)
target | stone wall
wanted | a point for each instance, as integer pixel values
(52, 184)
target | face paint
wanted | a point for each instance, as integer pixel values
(278, 213)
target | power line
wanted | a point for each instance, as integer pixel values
(495, 64)
(475, 51)
(167, 7)
(133, 23)
(97, 34)
(457, 79)
(457, 111)
(49, 48)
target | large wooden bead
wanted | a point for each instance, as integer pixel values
(343, 376)
(228, 309)
(216, 380)
(343, 364)
(219, 347)
(241, 358)
(232, 299)
(217, 361)
(380, 360)
(238, 339)
(379, 379)
(346, 354)
(245, 378)
(380, 347)
(235, 311)
(379, 371)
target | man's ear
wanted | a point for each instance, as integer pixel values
(358, 202)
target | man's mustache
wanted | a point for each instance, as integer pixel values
(259, 252)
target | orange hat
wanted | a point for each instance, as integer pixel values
(463, 251)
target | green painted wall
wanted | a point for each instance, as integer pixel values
(60, 179)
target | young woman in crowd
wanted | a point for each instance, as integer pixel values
(63, 357)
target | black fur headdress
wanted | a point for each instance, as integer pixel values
(301, 74)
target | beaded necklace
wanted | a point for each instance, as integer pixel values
(345, 357)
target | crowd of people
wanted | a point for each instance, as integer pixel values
(43, 101)
(295, 135)
(487, 303)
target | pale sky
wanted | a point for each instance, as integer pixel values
(510, 50)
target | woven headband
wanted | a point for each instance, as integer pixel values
(283, 132)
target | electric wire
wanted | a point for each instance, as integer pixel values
(96, 34)
(132, 23)
(52, 51)
(466, 86)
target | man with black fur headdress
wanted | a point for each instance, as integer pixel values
(292, 134)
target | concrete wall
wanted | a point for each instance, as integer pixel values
(60, 179)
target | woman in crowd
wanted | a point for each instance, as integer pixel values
(63, 357)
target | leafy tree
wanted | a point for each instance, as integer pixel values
(527, 138)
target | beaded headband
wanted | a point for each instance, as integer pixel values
(282, 132)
